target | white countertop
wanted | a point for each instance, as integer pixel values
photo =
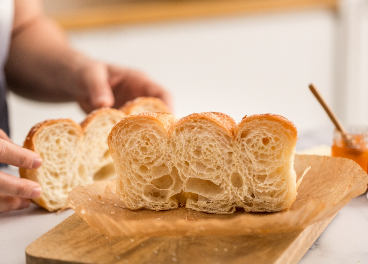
(345, 240)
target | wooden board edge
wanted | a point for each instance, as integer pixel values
(292, 254)
(39, 260)
(33, 259)
(298, 248)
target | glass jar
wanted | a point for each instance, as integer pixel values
(356, 149)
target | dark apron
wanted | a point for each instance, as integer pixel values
(6, 24)
(4, 118)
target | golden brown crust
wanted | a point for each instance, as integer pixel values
(29, 141)
(224, 121)
(105, 110)
(166, 120)
(271, 117)
(128, 107)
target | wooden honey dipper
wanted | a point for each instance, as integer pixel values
(331, 115)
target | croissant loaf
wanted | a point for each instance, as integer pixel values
(205, 161)
(75, 153)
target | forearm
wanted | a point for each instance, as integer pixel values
(41, 65)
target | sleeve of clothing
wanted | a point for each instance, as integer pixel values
(6, 23)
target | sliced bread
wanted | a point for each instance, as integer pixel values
(74, 154)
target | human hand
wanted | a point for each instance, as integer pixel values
(104, 85)
(15, 193)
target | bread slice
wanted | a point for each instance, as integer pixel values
(205, 161)
(145, 104)
(96, 128)
(59, 143)
(74, 154)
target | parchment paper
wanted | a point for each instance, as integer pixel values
(329, 185)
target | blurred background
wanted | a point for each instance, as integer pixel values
(240, 57)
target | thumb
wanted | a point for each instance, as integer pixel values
(97, 86)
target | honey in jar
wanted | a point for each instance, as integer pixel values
(356, 148)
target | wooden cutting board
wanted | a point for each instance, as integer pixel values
(74, 241)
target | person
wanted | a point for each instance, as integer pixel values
(37, 62)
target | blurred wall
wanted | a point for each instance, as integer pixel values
(351, 91)
(237, 65)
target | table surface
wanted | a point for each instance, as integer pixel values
(345, 240)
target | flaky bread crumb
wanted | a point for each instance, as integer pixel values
(96, 128)
(59, 143)
(205, 161)
(75, 154)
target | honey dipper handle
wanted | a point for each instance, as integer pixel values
(329, 112)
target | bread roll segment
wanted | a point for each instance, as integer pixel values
(142, 157)
(203, 154)
(205, 161)
(265, 161)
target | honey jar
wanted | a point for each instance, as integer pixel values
(356, 148)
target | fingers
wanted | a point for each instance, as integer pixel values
(4, 136)
(86, 105)
(15, 192)
(9, 203)
(128, 84)
(17, 187)
(17, 156)
(108, 86)
(154, 90)
(95, 81)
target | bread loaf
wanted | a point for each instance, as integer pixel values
(74, 154)
(205, 161)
